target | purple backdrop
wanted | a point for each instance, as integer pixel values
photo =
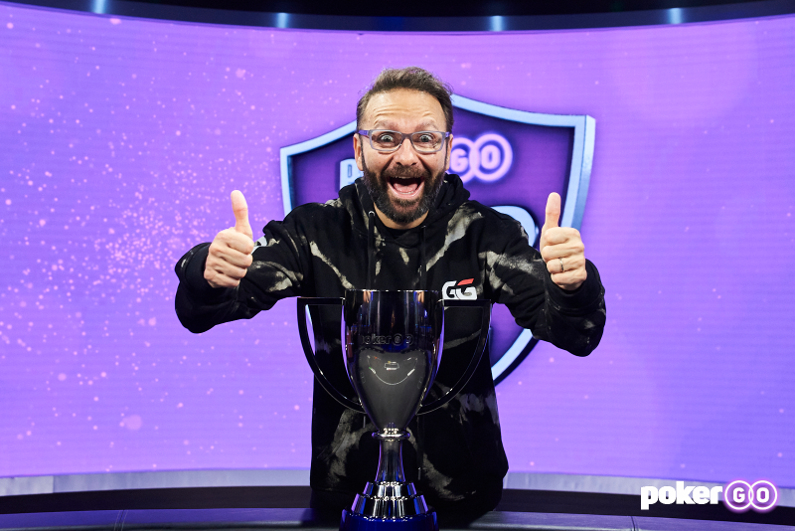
(122, 139)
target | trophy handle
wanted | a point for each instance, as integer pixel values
(485, 305)
(303, 302)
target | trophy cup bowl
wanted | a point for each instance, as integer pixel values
(393, 342)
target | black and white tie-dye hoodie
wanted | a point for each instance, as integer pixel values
(455, 455)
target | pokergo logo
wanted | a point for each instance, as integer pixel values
(488, 158)
(738, 496)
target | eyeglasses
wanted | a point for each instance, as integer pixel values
(384, 140)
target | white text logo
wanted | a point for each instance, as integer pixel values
(681, 494)
(462, 289)
(738, 496)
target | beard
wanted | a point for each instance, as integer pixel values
(402, 211)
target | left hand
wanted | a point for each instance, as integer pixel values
(562, 249)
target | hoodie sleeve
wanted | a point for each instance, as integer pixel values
(275, 273)
(573, 321)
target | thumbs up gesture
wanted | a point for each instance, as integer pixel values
(230, 252)
(562, 249)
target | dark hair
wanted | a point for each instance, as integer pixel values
(413, 78)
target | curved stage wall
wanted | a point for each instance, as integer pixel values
(122, 138)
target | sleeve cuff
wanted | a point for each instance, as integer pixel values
(197, 284)
(583, 298)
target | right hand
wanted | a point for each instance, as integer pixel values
(230, 252)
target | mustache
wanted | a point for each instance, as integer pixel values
(406, 173)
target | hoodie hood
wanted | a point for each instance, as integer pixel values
(365, 221)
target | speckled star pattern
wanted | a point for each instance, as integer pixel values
(121, 139)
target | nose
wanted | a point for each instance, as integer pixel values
(406, 155)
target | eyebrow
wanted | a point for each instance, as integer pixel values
(424, 126)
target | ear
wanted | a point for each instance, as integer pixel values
(448, 151)
(357, 151)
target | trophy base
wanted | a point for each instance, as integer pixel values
(417, 522)
(389, 506)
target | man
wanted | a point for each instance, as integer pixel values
(406, 225)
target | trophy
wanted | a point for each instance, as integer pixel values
(392, 346)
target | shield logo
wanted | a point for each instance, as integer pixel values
(510, 160)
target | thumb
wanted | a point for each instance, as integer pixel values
(552, 212)
(240, 208)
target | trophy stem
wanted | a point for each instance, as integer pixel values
(390, 463)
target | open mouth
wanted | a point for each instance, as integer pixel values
(405, 186)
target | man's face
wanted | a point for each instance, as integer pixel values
(403, 183)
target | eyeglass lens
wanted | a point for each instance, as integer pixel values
(423, 141)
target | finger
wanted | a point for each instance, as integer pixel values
(236, 259)
(231, 271)
(553, 252)
(220, 281)
(558, 235)
(557, 267)
(556, 248)
(552, 211)
(568, 264)
(217, 281)
(222, 262)
(222, 275)
(240, 208)
(570, 280)
(232, 239)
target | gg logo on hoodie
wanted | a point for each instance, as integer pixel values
(463, 289)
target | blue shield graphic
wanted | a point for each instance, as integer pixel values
(510, 160)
